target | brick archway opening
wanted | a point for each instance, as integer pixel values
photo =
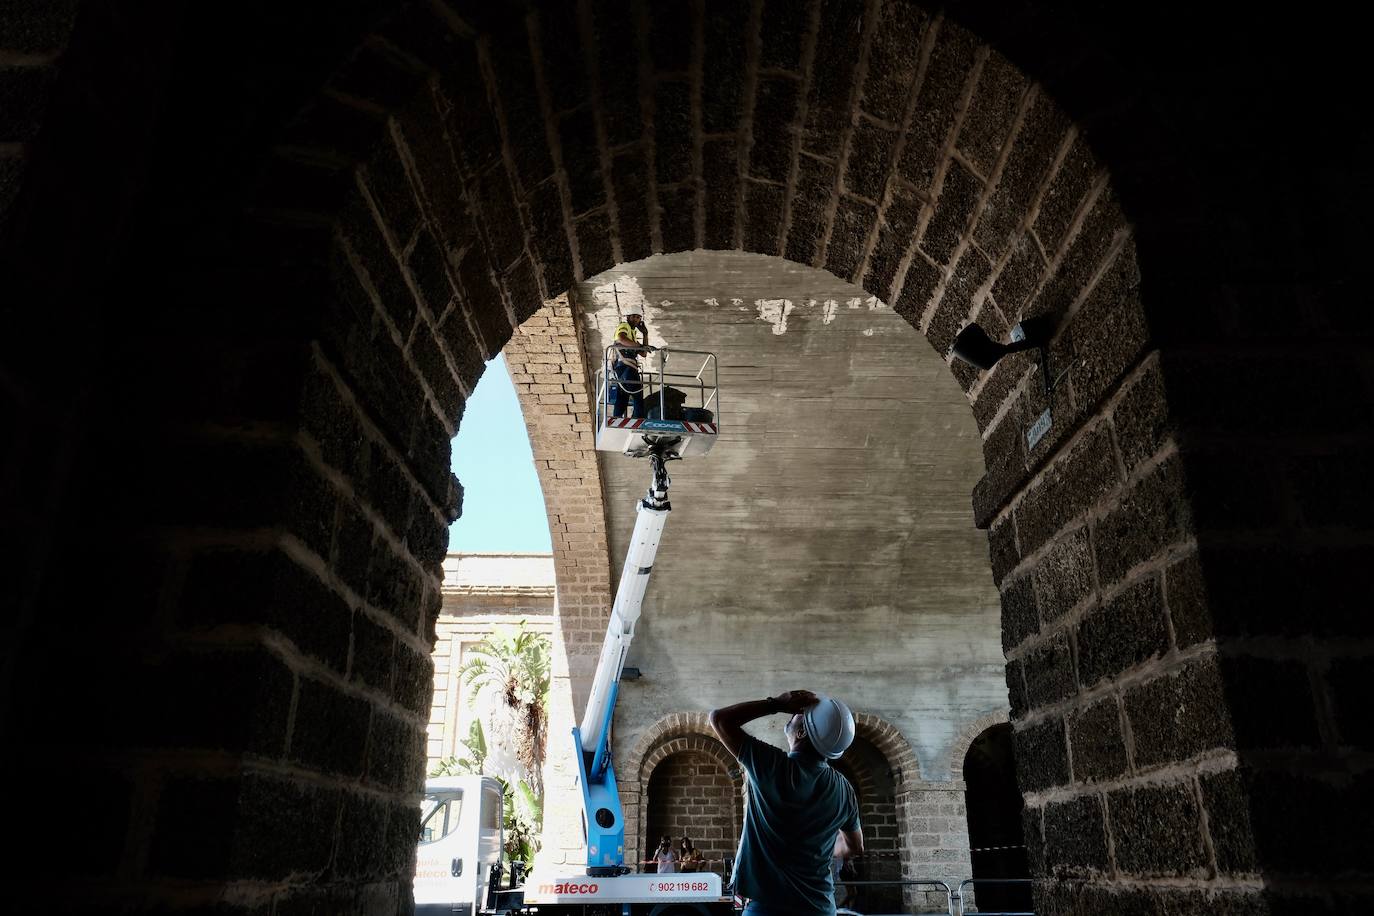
(881, 819)
(993, 803)
(692, 793)
(363, 225)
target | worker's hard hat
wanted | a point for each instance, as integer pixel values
(830, 726)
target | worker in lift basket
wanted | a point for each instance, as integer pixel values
(626, 365)
(801, 812)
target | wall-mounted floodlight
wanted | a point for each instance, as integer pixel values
(974, 346)
(629, 674)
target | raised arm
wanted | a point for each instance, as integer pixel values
(728, 722)
(849, 843)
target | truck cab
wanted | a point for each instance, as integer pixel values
(460, 840)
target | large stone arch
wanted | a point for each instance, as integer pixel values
(309, 356)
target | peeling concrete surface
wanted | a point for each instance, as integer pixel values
(827, 542)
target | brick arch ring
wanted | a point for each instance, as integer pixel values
(672, 734)
(958, 749)
(691, 731)
(892, 744)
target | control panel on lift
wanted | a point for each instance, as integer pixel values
(673, 409)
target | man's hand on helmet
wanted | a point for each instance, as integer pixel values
(795, 701)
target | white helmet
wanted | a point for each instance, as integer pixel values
(830, 726)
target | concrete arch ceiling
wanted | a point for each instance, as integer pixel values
(827, 539)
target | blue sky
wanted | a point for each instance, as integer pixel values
(503, 505)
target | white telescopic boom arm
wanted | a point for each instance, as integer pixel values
(629, 598)
(620, 632)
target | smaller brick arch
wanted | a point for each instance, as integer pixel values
(958, 750)
(892, 744)
(673, 734)
(691, 731)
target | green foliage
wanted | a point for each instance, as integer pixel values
(513, 663)
(523, 819)
(471, 764)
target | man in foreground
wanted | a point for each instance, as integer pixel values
(798, 804)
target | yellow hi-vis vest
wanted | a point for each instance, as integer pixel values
(628, 357)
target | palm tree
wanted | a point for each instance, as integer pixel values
(512, 664)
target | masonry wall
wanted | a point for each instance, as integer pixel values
(550, 376)
(690, 794)
(823, 542)
(483, 596)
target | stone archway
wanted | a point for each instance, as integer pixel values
(308, 355)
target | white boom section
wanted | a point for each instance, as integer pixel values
(620, 632)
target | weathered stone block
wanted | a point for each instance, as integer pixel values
(1153, 515)
(677, 208)
(267, 588)
(870, 155)
(1019, 277)
(581, 160)
(594, 244)
(965, 279)
(918, 287)
(1027, 165)
(1049, 672)
(953, 209)
(1068, 488)
(832, 75)
(848, 236)
(1041, 756)
(1064, 576)
(1156, 831)
(1179, 715)
(1097, 742)
(725, 38)
(719, 172)
(1065, 194)
(1020, 618)
(673, 131)
(950, 65)
(630, 176)
(1076, 837)
(815, 189)
(991, 112)
(1124, 632)
(1227, 803)
(330, 733)
(762, 217)
(893, 57)
(484, 302)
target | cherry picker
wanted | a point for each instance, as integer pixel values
(681, 421)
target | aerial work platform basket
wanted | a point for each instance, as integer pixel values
(681, 405)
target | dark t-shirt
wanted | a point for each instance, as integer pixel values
(797, 803)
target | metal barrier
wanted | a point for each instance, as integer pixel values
(656, 380)
(973, 882)
(937, 886)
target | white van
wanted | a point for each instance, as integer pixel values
(460, 840)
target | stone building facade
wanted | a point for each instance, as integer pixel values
(481, 594)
